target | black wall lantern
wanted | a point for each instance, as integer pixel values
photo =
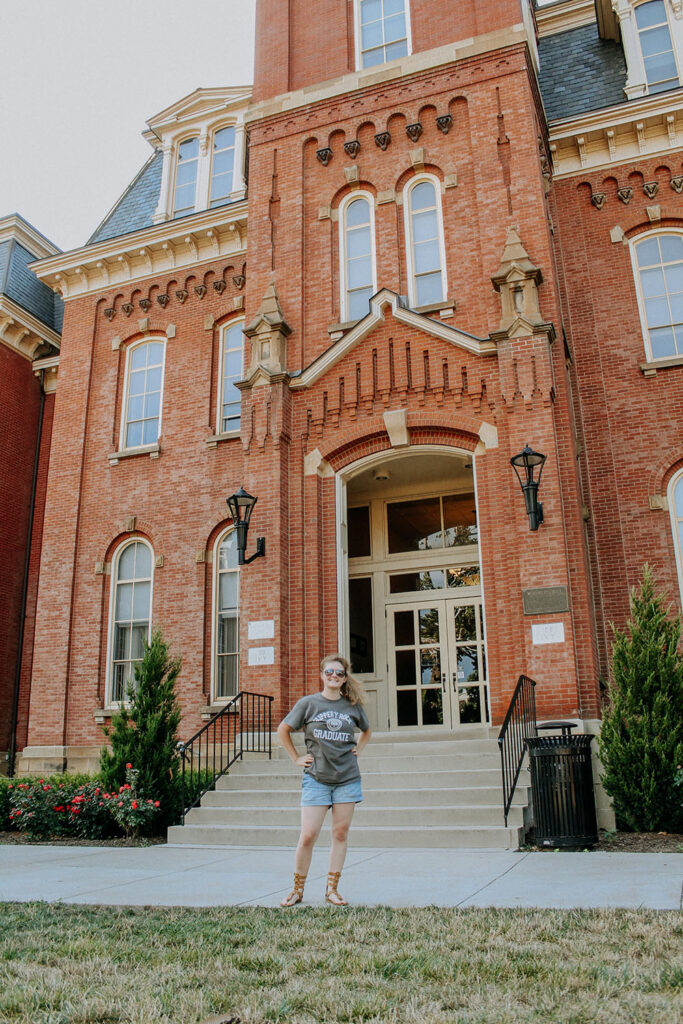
(241, 506)
(528, 466)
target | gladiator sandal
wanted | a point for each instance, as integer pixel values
(331, 894)
(297, 893)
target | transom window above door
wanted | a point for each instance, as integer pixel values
(382, 31)
(426, 524)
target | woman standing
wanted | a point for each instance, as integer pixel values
(331, 774)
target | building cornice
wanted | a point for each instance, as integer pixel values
(199, 106)
(23, 332)
(426, 60)
(14, 226)
(162, 248)
(565, 15)
(642, 128)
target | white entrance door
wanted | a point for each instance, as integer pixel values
(437, 664)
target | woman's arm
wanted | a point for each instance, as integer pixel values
(284, 731)
(362, 741)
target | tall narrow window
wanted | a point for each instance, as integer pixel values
(186, 177)
(226, 636)
(676, 508)
(230, 405)
(383, 31)
(142, 402)
(358, 265)
(425, 243)
(660, 269)
(131, 615)
(222, 165)
(655, 43)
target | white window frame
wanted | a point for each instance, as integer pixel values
(408, 228)
(358, 41)
(214, 620)
(636, 80)
(225, 199)
(343, 206)
(202, 201)
(116, 558)
(124, 405)
(221, 361)
(633, 243)
(187, 210)
(676, 518)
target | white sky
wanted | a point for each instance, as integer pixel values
(78, 81)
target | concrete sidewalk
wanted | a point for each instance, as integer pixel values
(194, 876)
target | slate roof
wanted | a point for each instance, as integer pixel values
(135, 209)
(579, 72)
(22, 286)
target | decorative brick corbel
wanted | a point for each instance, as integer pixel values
(352, 148)
(444, 123)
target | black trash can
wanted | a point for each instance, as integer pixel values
(562, 788)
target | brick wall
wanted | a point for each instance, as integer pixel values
(19, 411)
(630, 423)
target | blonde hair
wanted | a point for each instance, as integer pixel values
(351, 689)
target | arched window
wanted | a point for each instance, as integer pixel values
(659, 266)
(186, 177)
(424, 233)
(382, 31)
(357, 256)
(141, 420)
(226, 617)
(130, 616)
(222, 165)
(676, 510)
(654, 35)
(232, 365)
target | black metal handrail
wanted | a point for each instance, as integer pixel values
(222, 741)
(519, 724)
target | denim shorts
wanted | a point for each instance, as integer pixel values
(319, 794)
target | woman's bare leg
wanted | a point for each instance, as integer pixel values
(311, 822)
(341, 819)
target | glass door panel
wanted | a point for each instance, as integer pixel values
(469, 689)
(417, 652)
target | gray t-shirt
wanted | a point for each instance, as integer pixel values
(329, 730)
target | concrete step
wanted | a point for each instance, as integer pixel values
(364, 837)
(366, 814)
(426, 780)
(408, 762)
(452, 796)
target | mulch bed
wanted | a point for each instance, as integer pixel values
(17, 839)
(619, 842)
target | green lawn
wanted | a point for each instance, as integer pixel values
(64, 964)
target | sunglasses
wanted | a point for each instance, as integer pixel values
(334, 672)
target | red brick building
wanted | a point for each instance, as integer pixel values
(460, 236)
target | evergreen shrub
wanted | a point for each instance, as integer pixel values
(144, 734)
(641, 742)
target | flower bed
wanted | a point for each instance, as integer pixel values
(76, 806)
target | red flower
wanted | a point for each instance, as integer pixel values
(127, 786)
(121, 788)
(97, 791)
(129, 766)
(76, 810)
(156, 803)
(134, 805)
(120, 803)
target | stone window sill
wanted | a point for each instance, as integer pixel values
(209, 710)
(152, 450)
(102, 714)
(650, 369)
(446, 308)
(215, 439)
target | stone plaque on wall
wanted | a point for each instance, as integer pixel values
(545, 600)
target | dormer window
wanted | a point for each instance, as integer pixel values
(382, 31)
(203, 141)
(222, 165)
(655, 44)
(186, 177)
